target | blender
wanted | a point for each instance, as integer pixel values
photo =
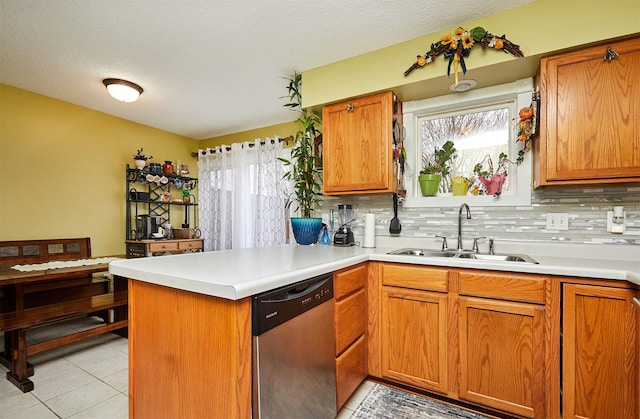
(344, 235)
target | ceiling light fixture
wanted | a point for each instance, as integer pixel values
(463, 85)
(123, 90)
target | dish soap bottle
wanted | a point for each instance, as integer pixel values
(325, 236)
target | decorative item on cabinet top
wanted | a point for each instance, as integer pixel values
(457, 46)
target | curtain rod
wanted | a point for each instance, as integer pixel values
(286, 140)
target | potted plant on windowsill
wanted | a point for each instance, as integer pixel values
(303, 170)
(436, 168)
(493, 181)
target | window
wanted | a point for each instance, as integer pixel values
(480, 123)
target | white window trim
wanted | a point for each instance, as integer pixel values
(520, 90)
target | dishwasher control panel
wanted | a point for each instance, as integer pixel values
(275, 307)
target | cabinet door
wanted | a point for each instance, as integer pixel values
(600, 353)
(590, 119)
(502, 355)
(413, 335)
(357, 146)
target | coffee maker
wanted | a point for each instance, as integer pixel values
(146, 225)
(344, 235)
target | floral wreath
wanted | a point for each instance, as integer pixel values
(458, 46)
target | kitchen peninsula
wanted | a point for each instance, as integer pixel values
(190, 315)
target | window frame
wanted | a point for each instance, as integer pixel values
(520, 92)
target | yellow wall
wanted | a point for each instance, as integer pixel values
(62, 169)
(539, 28)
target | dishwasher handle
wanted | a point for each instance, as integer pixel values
(297, 292)
(275, 307)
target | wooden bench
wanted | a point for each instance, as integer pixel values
(30, 299)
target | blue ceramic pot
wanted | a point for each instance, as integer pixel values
(306, 230)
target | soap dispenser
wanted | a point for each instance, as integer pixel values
(325, 239)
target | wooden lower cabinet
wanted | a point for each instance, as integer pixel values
(601, 352)
(414, 337)
(413, 325)
(502, 355)
(501, 329)
(350, 316)
(189, 354)
(475, 336)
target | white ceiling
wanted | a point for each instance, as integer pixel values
(208, 67)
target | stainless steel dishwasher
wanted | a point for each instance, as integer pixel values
(294, 351)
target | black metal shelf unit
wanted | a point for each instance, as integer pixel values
(146, 195)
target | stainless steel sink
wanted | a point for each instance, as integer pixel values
(498, 258)
(463, 254)
(424, 252)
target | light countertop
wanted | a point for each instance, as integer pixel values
(236, 274)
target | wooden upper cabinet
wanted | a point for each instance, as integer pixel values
(358, 146)
(590, 117)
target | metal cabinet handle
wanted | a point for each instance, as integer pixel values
(636, 300)
(350, 107)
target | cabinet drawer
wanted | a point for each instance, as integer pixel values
(417, 277)
(162, 246)
(349, 280)
(350, 320)
(351, 370)
(191, 244)
(508, 286)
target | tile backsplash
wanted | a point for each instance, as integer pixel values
(586, 207)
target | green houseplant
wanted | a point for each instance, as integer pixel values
(436, 168)
(303, 170)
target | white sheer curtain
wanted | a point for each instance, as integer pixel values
(242, 195)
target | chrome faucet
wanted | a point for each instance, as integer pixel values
(460, 223)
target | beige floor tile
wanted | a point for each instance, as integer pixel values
(37, 411)
(51, 367)
(116, 407)
(119, 380)
(76, 401)
(55, 381)
(344, 413)
(359, 395)
(14, 401)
